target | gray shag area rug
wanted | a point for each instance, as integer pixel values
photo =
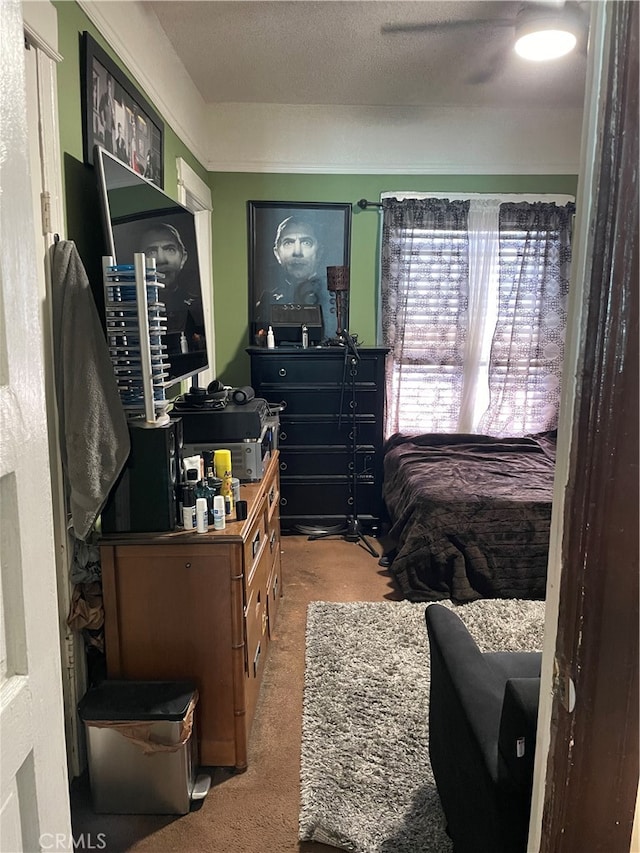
(366, 780)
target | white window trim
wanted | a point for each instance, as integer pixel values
(195, 195)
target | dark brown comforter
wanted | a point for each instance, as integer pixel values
(470, 514)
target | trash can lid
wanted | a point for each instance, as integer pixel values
(137, 700)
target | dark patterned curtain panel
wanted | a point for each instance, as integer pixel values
(424, 311)
(473, 299)
(527, 349)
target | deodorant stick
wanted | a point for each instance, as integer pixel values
(202, 515)
(219, 520)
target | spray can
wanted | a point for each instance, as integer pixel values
(222, 462)
(188, 508)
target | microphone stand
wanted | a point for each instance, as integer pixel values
(352, 531)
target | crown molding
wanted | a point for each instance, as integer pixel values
(441, 168)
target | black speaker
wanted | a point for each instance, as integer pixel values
(241, 396)
(144, 497)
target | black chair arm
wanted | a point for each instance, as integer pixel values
(517, 738)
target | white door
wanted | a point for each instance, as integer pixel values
(34, 798)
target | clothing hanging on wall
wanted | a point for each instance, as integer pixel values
(93, 427)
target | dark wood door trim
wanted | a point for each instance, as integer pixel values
(592, 773)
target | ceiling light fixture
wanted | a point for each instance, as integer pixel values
(547, 33)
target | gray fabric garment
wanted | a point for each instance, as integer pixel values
(85, 567)
(94, 436)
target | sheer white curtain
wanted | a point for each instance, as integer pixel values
(482, 227)
(473, 309)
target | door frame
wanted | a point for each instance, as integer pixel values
(590, 658)
(40, 20)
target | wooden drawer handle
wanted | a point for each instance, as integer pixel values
(272, 540)
(256, 659)
(352, 404)
(187, 565)
(255, 545)
(282, 371)
(272, 494)
(350, 501)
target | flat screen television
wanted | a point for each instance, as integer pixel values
(139, 217)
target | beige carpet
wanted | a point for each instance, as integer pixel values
(257, 811)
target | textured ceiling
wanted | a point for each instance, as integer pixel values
(333, 52)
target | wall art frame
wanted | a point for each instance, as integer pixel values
(117, 116)
(290, 246)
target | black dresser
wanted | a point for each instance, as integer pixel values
(321, 388)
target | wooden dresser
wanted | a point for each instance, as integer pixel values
(203, 607)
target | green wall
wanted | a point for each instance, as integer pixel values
(231, 191)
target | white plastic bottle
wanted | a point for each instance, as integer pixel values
(219, 520)
(271, 341)
(202, 515)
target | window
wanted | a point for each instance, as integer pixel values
(474, 312)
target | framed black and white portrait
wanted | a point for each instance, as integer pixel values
(116, 116)
(291, 244)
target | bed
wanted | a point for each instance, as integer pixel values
(469, 515)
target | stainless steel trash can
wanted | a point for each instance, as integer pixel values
(142, 747)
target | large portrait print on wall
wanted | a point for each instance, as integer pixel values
(291, 244)
(116, 116)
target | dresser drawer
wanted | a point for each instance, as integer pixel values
(322, 399)
(330, 496)
(253, 549)
(308, 369)
(325, 461)
(274, 593)
(320, 431)
(272, 501)
(256, 630)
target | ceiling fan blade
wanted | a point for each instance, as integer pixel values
(491, 69)
(440, 26)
